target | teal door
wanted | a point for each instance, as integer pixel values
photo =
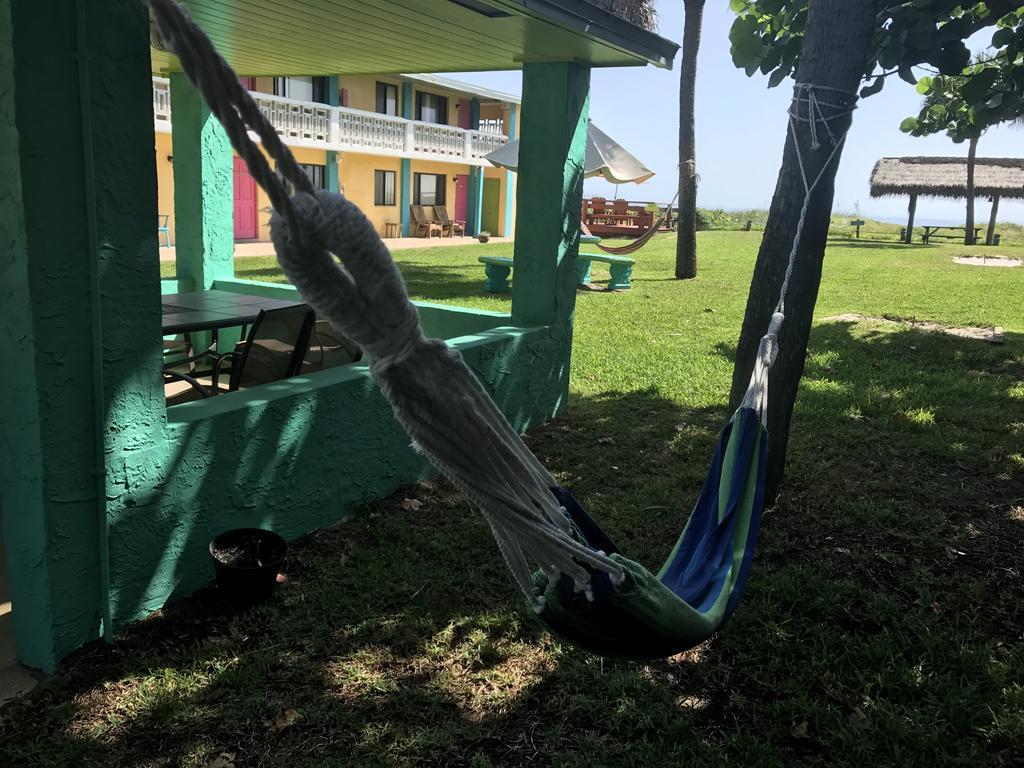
(491, 201)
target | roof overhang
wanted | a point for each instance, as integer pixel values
(315, 37)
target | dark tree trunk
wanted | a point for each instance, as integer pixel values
(972, 154)
(835, 50)
(911, 210)
(686, 242)
(990, 236)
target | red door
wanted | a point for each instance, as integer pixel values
(461, 196)
(245, 203)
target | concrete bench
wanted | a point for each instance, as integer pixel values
(498, 268)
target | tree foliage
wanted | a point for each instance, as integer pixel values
(767, 36)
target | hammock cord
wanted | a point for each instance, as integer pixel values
(756, 396)
(333, 255)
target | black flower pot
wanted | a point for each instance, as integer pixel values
(246, 562)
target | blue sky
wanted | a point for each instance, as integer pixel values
(741, 128)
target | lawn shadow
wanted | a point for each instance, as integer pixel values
(879, 622)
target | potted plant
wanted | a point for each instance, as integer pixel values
(483, 237)
(246, 562)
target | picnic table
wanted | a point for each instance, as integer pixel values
(931, 231)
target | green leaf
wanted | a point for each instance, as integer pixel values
(1002, 37)
(925, 84)
(976, 88)
(952, 58)
(907, 74)
(909, 125)
(777, 77)
(873, 88)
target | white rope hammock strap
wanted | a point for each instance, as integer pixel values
(806, 107)
(331, 252)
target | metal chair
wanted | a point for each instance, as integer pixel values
(274, 349)
(164, 228)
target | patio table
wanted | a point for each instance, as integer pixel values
(213, 309)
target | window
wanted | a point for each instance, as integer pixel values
(383, 187)
(316, 173)
(387, 99)
(302, 88)
(431, 108)
(428, 189)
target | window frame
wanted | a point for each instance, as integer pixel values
(442, 107)
(383, 89)
(440, 188)
(380, 187)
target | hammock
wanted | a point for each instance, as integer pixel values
(574, 577)
(639, 242)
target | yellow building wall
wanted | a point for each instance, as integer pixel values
(356, 179)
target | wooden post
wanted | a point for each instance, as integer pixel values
(911, 209)
(991, 234)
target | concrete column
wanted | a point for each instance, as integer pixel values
(203, 190)
(331, 159)
(405, 177)
(510, 178)
(79, 313)
(552, 151)
(475, 188)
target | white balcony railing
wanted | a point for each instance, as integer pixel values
(308, 124)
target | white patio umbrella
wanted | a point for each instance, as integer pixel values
(605, 157)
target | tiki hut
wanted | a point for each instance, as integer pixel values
(994, 177)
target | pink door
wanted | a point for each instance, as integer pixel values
(465, 115)
(461, 196)
(245, 203)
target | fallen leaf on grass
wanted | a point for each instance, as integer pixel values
(285, 719)
(800, 730)
(606, 440)
(412, 505)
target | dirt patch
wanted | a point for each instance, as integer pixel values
(987, 261)
(993, 335)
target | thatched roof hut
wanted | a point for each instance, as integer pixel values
(994, 177)
(947, 177)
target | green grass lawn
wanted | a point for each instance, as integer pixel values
(882, 624)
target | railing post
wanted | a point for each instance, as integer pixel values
(467, 146)
(410, 137)
(334, 129)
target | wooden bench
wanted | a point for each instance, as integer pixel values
(498, 268)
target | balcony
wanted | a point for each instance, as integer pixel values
(343, 129)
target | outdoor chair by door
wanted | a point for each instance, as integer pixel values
(422, 225)
(163, 229)
(449, 227)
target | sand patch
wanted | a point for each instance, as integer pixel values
(987, 261)
(991, 334)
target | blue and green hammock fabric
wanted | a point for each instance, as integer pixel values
(699, 586)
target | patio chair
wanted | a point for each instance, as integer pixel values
(274, 349)
(421, 225)
(448, 226)
(163, 227)
(329, 349)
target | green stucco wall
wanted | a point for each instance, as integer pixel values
(203, 190)
(109, 499)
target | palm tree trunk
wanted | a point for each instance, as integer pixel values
(686, 242)
(835, 47)
(972, 154)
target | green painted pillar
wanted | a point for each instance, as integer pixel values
(331, 159)
(510, 182)
(552, 150)
(203, 190)
(405, 177)
(475, 186)
(79, 280)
